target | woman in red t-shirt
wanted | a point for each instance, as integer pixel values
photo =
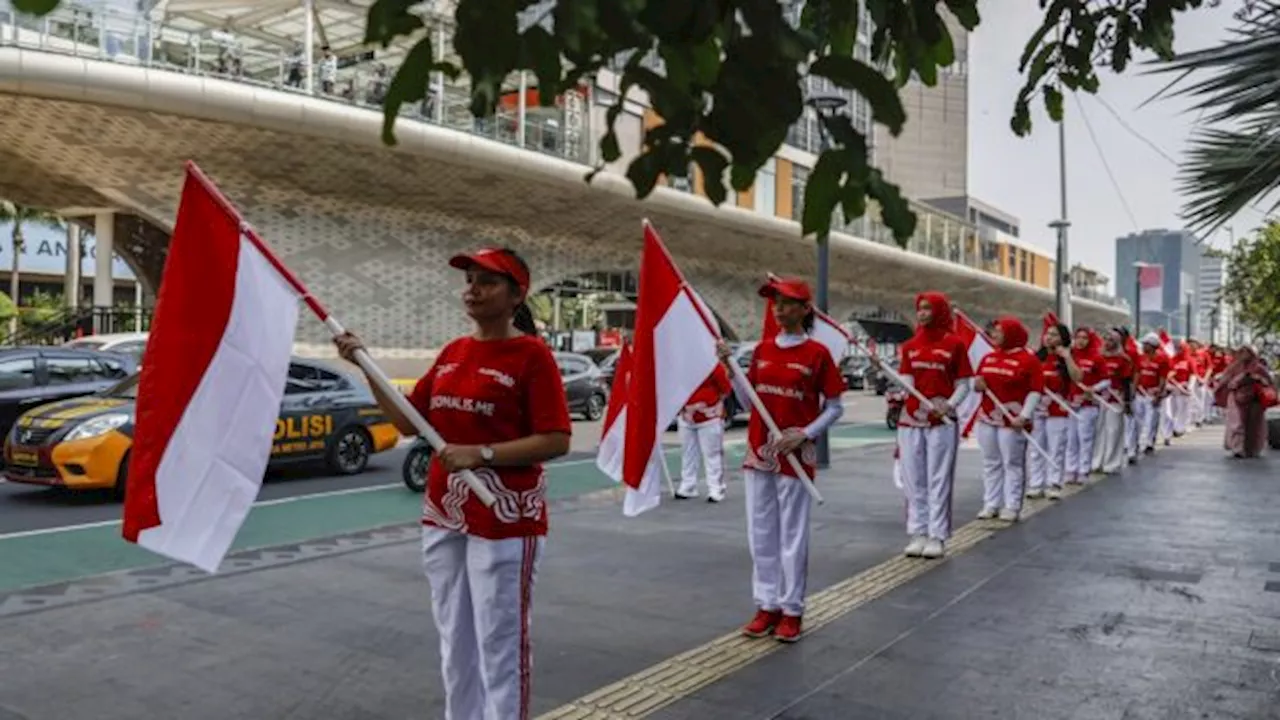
(497, 399)
(1058, 373)
(1011, 375)
(800, 386)
(1117, 367)
(1086, 352)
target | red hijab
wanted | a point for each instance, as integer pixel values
(942, 321)
(1014, 332)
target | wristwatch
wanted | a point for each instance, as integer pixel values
(486, 454)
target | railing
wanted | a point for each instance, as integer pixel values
(71, 323)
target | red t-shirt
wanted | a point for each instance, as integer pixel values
(1220, 362)
(484, 392)
(707, 402)
(792, 383)
(1010, 375)
(1092, 372)
(1054, 380)
(935, 367)
(1153, 368)
(1181, 368)
(1117, 368)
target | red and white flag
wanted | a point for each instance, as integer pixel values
(1166, 344)
(825, 330)
(674, 352)
(1151, 288)
(210, 391)
(612, 436)
(979, 346)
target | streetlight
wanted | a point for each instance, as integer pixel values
(1062, 291)
(826, 105)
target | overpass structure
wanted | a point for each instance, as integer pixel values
(102, 134)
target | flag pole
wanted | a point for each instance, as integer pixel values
(894, 376)
(666, 471)
(1030, 439)
(756, 403)
(362, 357)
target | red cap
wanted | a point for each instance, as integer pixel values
(494, 260)
(793, 288)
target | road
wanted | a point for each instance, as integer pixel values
(49, 536)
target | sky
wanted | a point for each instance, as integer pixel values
(1020, 175)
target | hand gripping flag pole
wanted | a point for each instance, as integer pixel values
(362, 358)
(1030, 439)
(902, 383)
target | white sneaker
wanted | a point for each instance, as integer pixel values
(933, 549)
(987, 514)
(1008, 515)
(1035, 494)
(916, 546)
(1053, 493)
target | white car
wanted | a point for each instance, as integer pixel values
(132, 344)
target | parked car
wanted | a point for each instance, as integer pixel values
(34, 376)
(133, 344)
(608, 367)
(584, 385)
(855, 370)
(83, 443)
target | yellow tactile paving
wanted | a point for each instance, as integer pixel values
(678, 677)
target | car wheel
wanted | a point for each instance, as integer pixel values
(122, 479)
(416, 463)
(350, 451)
(595, 407)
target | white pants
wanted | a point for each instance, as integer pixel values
(1051, 433)
(1111, 440)
(1004, 465)
(1095, 462)
(927, 457)
(703, 446)
(1080, 442)
(1167, 417)
(1209, 411)
(481, 592)
(1181, 411)
(1195, 404)
(778, 534)
(1146, 418)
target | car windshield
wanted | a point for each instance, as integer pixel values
(85, 344)
(126, 389)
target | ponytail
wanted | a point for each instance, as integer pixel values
(522, 319)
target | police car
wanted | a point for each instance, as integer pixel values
(83, 443)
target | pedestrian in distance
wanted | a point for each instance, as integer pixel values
(701, 426)
(1152, 376)
(1086, 353)
(800, 386)
(1059, 373)
(497, 399)
(1010, 381)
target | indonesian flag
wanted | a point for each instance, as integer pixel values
(979, 345)
(1151, 288)
(210, 391)
(675, 350)
(825, 330)
(1166, 344)
(609, 456)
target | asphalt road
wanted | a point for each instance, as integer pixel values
(27, 508)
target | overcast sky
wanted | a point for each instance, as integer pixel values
(1020, 175)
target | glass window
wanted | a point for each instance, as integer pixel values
(767, 188)
(69, 370)
(108, 369)
(799, 177)
(17, 374)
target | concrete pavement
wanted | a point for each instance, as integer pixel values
(1148, 595)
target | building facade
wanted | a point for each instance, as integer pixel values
(1216, 315)
(930, 158)
(1178, 252)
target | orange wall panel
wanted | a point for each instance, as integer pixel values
(783, 190)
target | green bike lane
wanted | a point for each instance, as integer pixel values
(61, 554)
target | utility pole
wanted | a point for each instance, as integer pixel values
(1137, 300)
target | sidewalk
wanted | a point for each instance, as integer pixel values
(1150, 595)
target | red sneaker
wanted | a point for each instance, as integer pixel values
(788, 630)
(762, 624)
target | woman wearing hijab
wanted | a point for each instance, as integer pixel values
(1084, 400)
(1245, 390)
(1118, 370)
(1009, 375)
(1150, 386)
(935, 362)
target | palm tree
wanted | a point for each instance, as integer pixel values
(1234, 163)
(21, 215)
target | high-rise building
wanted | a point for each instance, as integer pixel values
(1216, 314)
(1178, 252)
(930, 159)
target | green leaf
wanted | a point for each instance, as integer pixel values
(609, 150)
(846, 72)
(35, 7)
(706, 62)
(1053, 102)
(822, 192)
(643, 173)
(540, 52)
(713, 164)
(409, 85)
(966, 11)
(389, 19)
(895, 209)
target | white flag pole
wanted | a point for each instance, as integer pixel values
(1009, 416)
